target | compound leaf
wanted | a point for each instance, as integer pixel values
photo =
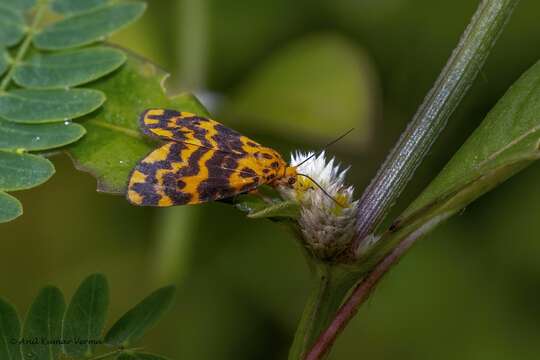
(46, 78)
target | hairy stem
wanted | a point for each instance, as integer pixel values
(431, 118)
(23, 49)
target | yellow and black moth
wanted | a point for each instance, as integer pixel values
(201, 160)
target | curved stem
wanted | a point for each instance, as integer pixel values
(365, 288)
(431, 118)
(349, 309)
(21, 52)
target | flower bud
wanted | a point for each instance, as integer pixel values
(328, 215)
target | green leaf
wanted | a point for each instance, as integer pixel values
(11, 27)
(85, 316)
(288, 209)
(76, 6)
(508, 137)
(19, 5)
(132, 326)
(139, 356)
(10, 332)
(40, 106)
(113, 143)
(44, 322)
(316, 88)
(507, 141)
(266, 203)
(88, 27)
(69, 68)
(10, 209)
(38, 137)
(23, 171)
(4, 57)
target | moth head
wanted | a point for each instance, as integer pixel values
(290, 172)
(290, 176)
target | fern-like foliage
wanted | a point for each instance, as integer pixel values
(52, 330)
(44, 66)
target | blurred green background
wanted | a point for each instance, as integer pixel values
(294, 75)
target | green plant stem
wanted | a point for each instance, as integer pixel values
(452, 84)
(194, 43)
(173, 252)
(177, 224)
(431, 118)
(332, 283)
(23, 49)
(362, 291)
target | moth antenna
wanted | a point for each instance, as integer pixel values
(322, 189)
(326, 146)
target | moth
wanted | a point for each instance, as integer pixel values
(201, 160)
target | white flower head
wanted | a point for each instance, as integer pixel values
(328, 215)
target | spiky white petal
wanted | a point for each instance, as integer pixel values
(327, 227)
